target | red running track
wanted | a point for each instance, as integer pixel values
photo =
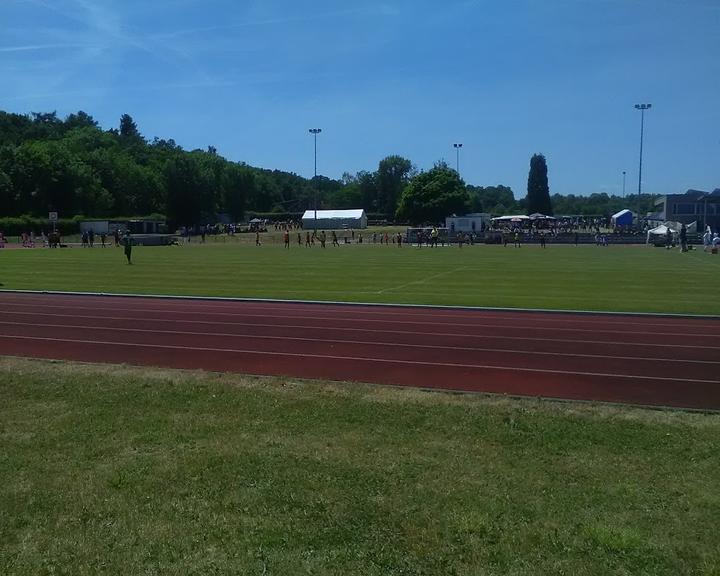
(661, 361)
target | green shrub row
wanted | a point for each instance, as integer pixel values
(16, 225)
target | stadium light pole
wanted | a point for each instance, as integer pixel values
(457, 157)
(642, 108)
(315, 132)
(624, 184)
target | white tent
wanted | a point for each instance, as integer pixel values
(661, 231)
(538, 216)
(516, 218)
(334, 219)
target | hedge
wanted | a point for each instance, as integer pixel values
(16, 225)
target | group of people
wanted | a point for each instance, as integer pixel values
(321, 238)
(711, 241)
(88, 238)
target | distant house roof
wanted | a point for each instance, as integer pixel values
(334, 214)
(712, 197)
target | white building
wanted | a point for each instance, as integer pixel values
(334, 219)
(469, 223)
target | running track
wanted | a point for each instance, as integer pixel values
(662, 361)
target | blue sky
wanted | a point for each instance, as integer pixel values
(505, 78)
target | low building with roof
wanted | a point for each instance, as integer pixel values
(693, 206)
(334, 219)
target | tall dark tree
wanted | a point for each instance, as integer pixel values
(393, 174)
(538, 196)
(128, 128)
(237, 184)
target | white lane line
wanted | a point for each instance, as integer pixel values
(431, 326)
(351, 304)
(369, 330)
(320, 340)
(417, 312)
(526, 318)
(361, 359)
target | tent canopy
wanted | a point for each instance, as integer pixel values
(660, 230)
(622, 218)
(516, 218)
(538, 216)
(335, 219)
(331, 214)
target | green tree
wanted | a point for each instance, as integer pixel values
(538, 191)
(431, 196)
(128, 128)
(393, 174)
(184, 182)
(237, 184)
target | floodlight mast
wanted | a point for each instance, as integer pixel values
(315, 132)
(457, 157)
(642, 108)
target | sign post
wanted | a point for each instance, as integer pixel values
(53, 217)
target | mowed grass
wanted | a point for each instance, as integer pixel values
(616, 278)
(118, 470)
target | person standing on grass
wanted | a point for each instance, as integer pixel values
(91, 237)
(286, 238)
(542, 240)
(103, 237)
(517, 238)
(307, 239)
(576, 238)
(127, 244)
(117, 237)
(683, 239)
(323, 237)
(257, 238)
(299, 239)
(335, 241)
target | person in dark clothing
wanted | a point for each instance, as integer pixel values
(683, 239)
(127, 244)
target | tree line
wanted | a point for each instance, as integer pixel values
(72, 166)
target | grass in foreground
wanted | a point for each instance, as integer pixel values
(115, 470)
(619, 278)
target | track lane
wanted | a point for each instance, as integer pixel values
(567, 356)
(546, 344)
(236, 309)
(616, 366)
(574, 386)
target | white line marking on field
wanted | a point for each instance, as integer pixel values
(361, 359)
(422, 280)
(320, 340)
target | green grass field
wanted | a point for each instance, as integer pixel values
(616, 278)
(116, 470)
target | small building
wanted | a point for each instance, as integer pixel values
(693, 206)
(334, 219)
(476, 222)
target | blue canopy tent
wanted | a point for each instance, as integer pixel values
(622, 218)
